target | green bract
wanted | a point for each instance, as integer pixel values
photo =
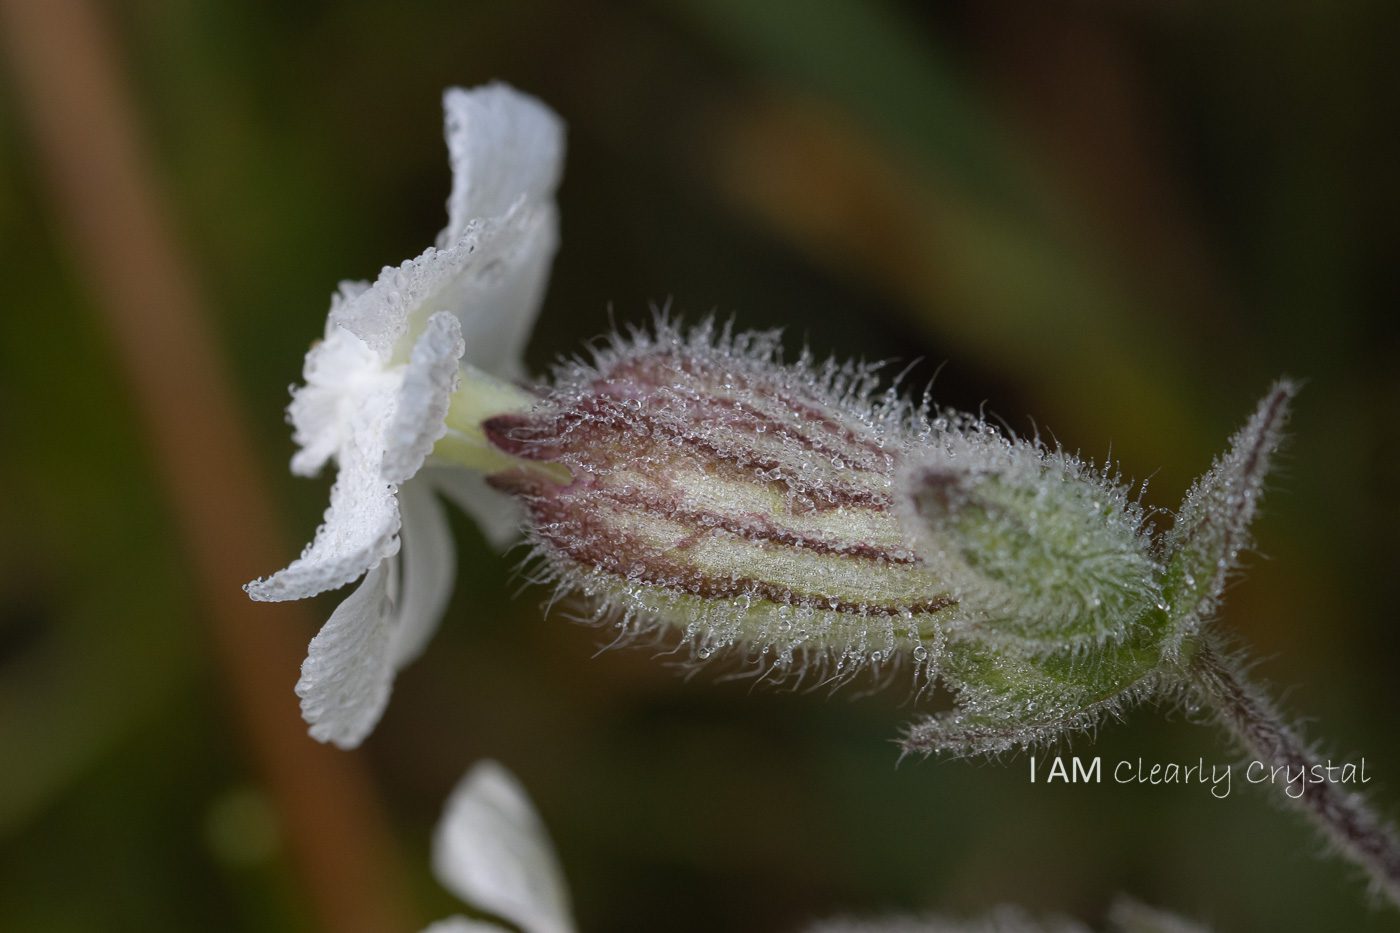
(1043, 552)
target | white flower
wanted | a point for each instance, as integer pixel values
(376, 401)
(492, 851)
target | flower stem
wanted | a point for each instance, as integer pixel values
(65, 64)
(1344, 816)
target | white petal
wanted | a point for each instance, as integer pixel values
(492, 279)
(495, 513)
(463, 925)
(504, 145)
(499, 307)
(492, 261)
(361, 525)
(491, 850)
(348, 671)
(348, 290)
(426, 392)
(429, 567)
(381, 314)
(338, 368)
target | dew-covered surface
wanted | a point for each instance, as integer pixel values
(1212, 527)
(1050, 551)
(1213, 206)
(804, 522)
(807, 524)
(1084, 647)
(745, 504)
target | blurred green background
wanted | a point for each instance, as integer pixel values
(1119, 219)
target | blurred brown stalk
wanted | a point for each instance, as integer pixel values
(106, 200)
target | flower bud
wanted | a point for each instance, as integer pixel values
(1042, 551)
(696, 484)
(730, 497)
(1089, 621)
(1062, 619)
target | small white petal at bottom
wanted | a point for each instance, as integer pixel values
(464, 925)
(491, 850)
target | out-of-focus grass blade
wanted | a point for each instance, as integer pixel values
(95, 643)
(864, 57)
(876, 156)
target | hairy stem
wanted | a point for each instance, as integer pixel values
(1342, 815)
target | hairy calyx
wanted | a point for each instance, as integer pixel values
(810, 518)
(714, 491)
